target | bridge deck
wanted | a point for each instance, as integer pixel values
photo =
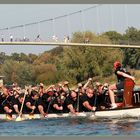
(70, 44)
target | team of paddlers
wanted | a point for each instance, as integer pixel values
(60, 98)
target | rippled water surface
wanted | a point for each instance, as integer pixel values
(70, 127)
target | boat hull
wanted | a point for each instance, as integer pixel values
(106, 114)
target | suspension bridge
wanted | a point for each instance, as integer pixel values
(57, 31)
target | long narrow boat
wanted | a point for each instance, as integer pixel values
(106, 114)
(129, 107)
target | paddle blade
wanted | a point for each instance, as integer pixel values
(31, 116)
(9, 117)
(19, 118)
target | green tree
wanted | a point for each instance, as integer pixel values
(132, 56)
(17, 72)
(114, 36)
(132, 35)
(78, 63)
(45, 73)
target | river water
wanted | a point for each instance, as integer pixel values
(70, 127)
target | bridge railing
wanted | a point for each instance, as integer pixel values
(71, 44)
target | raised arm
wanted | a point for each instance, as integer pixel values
(87, 83)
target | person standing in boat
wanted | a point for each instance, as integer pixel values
(121, 75)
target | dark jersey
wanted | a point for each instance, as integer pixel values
(84, 98)
(16, 102)
(119, 77)
(43, 103)
(69, 101)
(8, 102)
(52, 109)
(2, 99)
(33, 103)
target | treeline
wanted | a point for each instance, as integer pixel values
(74, 64)
(130, 37)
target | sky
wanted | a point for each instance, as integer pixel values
(102, 18)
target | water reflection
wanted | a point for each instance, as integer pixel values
(122, 127)
(71, 126)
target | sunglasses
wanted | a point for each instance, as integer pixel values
(90, 93)
(74, 97)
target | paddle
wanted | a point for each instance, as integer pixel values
(95, 91)
(66, 84)
(78, 93)
(31, 114)
(19, 118)
(78, 96)
(52, 99)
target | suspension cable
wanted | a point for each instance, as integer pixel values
(58, 17)
(53, 26)
(68, 26)
(112, 20)
(39, 28)
(83, 25)
(98, 23)
(24, 32)
(53, 20)
(126, 18)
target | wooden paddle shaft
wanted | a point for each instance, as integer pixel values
(23, 102)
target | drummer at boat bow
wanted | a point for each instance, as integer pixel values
(121, 75)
